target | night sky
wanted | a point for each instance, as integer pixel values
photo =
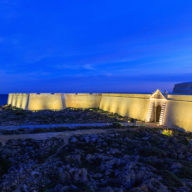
(94, 45)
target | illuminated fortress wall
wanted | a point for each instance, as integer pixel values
(132, 105)
(19, 100)
(13, 103)
(15, 99)
(178, 108)
(179, 112)
(10, 97)
(57, 101)
(82, 100)
(35, 101)
(45, 101)
(25, 101)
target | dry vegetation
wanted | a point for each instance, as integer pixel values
(15, 116)
(130, 159)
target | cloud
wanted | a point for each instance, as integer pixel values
(88, 67)
(75, 66)
(1, 39)
(8, 9)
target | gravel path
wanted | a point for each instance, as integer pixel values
(73, 125)
(69, 125)
(41, 136)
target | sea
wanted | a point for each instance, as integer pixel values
(3, 99)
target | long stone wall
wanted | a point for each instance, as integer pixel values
(132, 105)
(45, 101)
(57, 101)
(178, 112)
(82, 100)
(10, 97)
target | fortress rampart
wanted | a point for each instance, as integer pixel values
(169, 110)
(132, 105)
(179, 111)
(56, 101)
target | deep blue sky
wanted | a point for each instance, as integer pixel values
(94, 45)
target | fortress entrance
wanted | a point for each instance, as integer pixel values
(157, 108)
(157, 113)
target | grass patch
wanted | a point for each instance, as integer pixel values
(167, 133)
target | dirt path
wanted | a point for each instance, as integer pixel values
(73, 125)
(41, 136)
(48, 126)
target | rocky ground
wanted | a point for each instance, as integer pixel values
(14, 116)
(130, 159)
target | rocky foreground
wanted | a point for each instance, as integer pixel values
(131, 159)
(15, 116)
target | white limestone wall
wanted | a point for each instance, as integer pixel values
(179, 112)
(57, 101)
(132, 105)
(10, 97)
(178, 109)
(82, 100)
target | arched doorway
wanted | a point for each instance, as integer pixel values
(157, 108)
(157, 113)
